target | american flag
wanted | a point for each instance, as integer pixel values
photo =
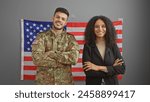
(29, 31)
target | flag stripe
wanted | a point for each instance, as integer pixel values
(119, 40)
(119, 31)
(119, 76)
(75, 69)
(119, 22)
(27, 58)
(76, 24)
(77, 33)
(30, 67)
(118, 27)
(78, 74)
(79, 78)
(28, 77)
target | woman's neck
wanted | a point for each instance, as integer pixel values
(100, 41)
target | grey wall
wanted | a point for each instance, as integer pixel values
(135, 14)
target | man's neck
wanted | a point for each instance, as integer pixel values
(57, 32)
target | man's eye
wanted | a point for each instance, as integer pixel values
(63, 19)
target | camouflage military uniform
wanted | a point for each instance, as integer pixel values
(54, 56)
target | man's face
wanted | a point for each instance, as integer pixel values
(59, 20)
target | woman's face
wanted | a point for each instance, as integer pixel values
(100, 28)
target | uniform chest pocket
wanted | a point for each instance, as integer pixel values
(62, 45)
(48, 45)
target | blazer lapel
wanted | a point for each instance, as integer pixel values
(95, 49)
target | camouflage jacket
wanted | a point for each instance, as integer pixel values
(54, 56)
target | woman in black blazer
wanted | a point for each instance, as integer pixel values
(101, 57)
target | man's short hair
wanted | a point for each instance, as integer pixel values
(63, 10)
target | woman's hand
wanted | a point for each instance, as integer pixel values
(118, 62)
(90, 66)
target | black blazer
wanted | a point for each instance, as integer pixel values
(91, 53)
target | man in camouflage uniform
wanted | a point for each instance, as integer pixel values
(54, 52)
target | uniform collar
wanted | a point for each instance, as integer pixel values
(53, 33)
